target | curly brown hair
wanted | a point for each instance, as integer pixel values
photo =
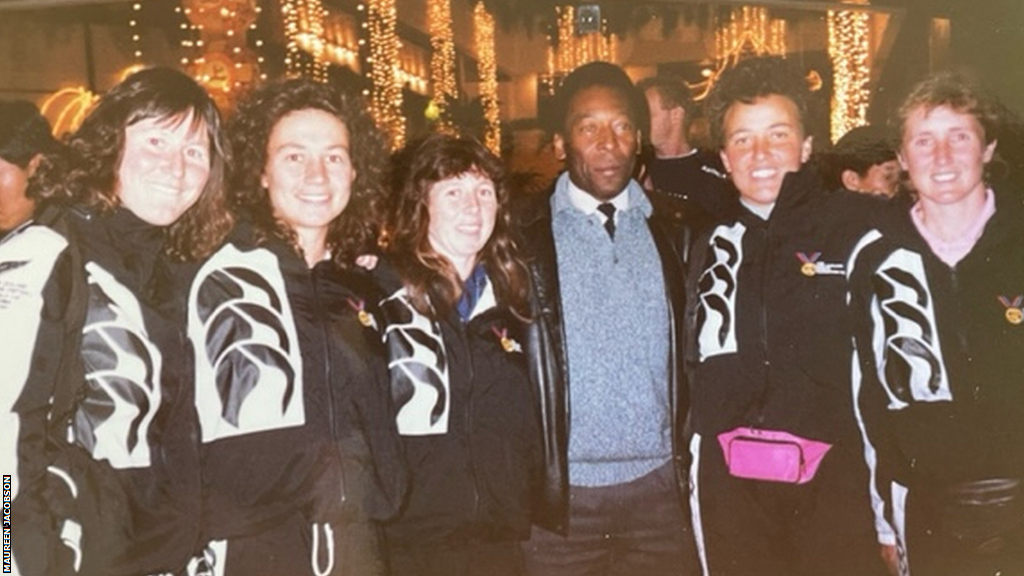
(85, 173)
(433, 285)
(354, 231)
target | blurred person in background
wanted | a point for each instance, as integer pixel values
(863, 160)
(24, 139)
(686, 182)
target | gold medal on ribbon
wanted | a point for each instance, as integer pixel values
(808, 268)
(364, 318)
(1014, 314)
(507, 344)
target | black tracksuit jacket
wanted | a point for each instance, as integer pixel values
(472, 482)
(941, 381)
(773, 344)
(297, 426)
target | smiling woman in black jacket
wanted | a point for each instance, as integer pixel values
(107, 465)
(454, 321)
(298, 440)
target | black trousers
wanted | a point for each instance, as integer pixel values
(628, 529)
(932, 550)
(478, 559)
(759, 528)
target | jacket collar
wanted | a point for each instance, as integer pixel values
(798, 188)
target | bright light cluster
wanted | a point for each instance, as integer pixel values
(66, 108)
(442, 62)
(215, 38)
(576, 50)
(483, 26)
(386, 100)
(750, 32)
(304, 38)
(849, 49)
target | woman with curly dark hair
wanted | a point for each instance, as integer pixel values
(299, 449)
(454, 317)
(107, 463)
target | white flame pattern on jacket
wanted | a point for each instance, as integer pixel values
(716, 309)
(906, 338)
(122, 374)
(248, 362)
(419, 368)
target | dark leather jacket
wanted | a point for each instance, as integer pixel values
(545, 348)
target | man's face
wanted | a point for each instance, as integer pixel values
(15, 207)
(880, 179)
(661, 119)
(600, 141)
(944, 152)
(764, 141)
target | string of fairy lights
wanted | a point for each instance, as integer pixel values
(133, 29)
(749, 31)
(316, 39)
(386, 100)
(442, 62)
(483, 32)
(849, 49)
(568, 50)
(304, 31)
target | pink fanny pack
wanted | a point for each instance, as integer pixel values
(771, 455)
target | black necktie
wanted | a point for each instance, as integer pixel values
(608, 209)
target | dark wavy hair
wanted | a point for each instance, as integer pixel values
(433, 285)
(354, 232)
(24, 133)
(958, 93)
(749, 80)
(86, 174)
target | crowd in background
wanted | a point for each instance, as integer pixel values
(263, 345)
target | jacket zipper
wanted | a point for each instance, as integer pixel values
(326, 350)
(965, 350)
(766, 266)
(464, 341)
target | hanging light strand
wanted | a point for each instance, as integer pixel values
(386, 98)
(442, 62)
(750, 31)
(304, 31)
(133, 30)
(849, 49)
(488, 67)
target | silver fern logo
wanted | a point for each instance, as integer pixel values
(419, 369)
(716, 309)
(122, 375)
(248, 362)
(905, 335)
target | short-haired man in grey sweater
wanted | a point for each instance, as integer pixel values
(605, 347)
